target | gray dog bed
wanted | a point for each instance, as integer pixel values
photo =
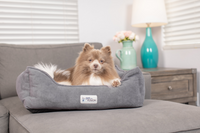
(39, 92)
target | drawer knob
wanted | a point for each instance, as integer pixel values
(170, 88)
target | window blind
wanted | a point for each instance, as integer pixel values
(183, 28)
(38, 21)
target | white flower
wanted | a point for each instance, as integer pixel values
(117, 39)
(132, 36)
(136, 38)
(121, 36)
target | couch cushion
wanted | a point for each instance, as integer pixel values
(3, 119)
(154, 117)
(15, 58)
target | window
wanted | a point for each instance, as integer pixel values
(183, 28)
(38, 21)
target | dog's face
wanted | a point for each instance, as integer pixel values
(95, 61)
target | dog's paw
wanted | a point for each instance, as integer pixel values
(116, 82)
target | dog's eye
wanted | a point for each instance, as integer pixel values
(90, 60)
(101, 61)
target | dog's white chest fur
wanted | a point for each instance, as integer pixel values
(95, 80)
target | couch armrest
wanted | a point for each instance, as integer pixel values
(147, 78)
(3, 119)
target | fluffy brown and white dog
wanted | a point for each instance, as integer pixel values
(92, 67)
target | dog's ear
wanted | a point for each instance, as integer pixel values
(106, 49)
(87, 47)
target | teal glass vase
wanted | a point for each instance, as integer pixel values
(127, 56)
(149, 51)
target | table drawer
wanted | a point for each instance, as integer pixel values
(172, 87)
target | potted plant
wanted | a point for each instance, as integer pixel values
(127, 56)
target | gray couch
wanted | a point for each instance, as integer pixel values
(155, 116)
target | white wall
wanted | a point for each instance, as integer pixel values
(99, 20)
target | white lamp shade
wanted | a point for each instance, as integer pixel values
(148, 11)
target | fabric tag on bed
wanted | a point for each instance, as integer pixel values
(88, 99)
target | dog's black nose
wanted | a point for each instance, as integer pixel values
(95, 65)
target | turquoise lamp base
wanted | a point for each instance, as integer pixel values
(149, 51)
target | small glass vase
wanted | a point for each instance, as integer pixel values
(128, 59)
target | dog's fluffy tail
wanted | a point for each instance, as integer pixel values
(50, 69)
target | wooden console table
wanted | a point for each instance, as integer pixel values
(172, 84)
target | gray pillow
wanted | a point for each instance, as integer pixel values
(37, 90)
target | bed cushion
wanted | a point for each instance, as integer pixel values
(37, 90)
(155, 116)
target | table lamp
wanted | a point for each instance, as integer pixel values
(149, 13)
